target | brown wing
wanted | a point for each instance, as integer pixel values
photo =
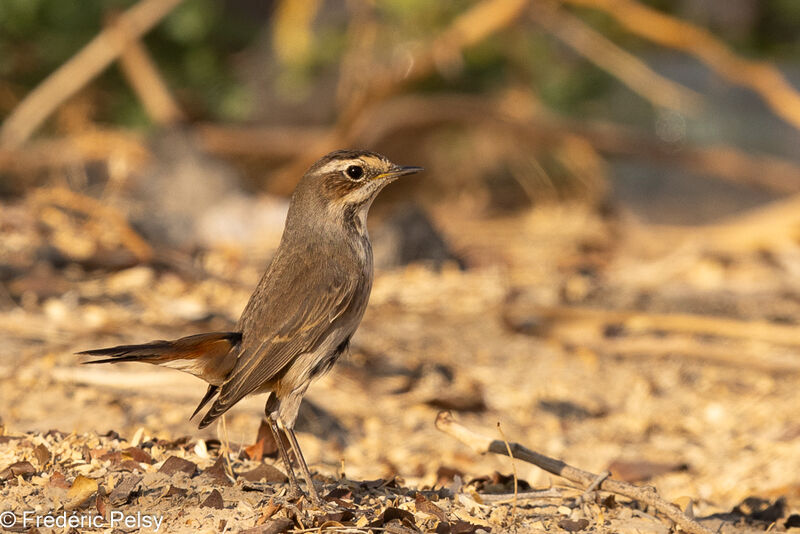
(295, 320)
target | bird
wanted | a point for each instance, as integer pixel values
(303, 312)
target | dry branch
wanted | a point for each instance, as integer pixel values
(763, 78)
(685, 323)
(483, 444)
(725, 162)
(471, 27)
(621, 64)
(77, 149)
(94, 208)
(406, 113)
(68, 79)
(142, 74)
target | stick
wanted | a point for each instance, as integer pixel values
(761, 77)
(686, 323)
(621, 64)
(483, 444)
(497, 498)
(70, 77)
(96, 209)
(142, 74)
(471, 27)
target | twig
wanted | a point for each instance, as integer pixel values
(763, 78)
(483, 444)
(410, 113)
(744, 356)
(94, 208)
(142, 74)
(70, 77)
(514, 471)
(686, 323)
(621, 64)
(497, 498)
(595, 484)
(469, 28)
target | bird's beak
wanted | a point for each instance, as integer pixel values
(398, 171)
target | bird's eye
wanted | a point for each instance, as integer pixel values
(355, 172)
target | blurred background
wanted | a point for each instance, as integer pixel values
(603, 252)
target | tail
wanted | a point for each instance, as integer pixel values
(207, 356)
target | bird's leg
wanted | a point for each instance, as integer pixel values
(294, 487)
(312, 491)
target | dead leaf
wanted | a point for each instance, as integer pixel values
(459, 401)
(391, 513)
(275, 526)
(214, 500)
(17, 469)
(174, 464)
(42, 455)
(264, 472)
(57, 480)
(173, 491)
(445, 475)
(265, 444)
(137, 455)
(217, 473)
(573, 525)
(268, 511)
(122, 492)
(340, 496)
(82, 488)
(101, 502)
(641, 470)
(425, 506)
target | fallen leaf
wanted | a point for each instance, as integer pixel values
(42, 455)
(391, 513)
(122, 492)
(264, 472)
(424, 505)
(101, 502)
(57, 480)
(268, 511)
(217, 473)
(138, 455)
(82, 488)
(174, 464)
(464, 527)
(639, 471)
(17, 469)
(214, 500)
(173, 491)
(274, 526)
(459, 401)
(340, 496)
(445, 475)
(573, 525)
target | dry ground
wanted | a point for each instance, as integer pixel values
(667, 355)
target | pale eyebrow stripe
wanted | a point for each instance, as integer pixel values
(339, 165)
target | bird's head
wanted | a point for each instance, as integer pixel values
(346, 182)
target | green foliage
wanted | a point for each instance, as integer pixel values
(192, 47)
(195, 46)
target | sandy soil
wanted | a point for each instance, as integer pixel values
(582, 336)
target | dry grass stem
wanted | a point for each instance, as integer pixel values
(483, 444)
